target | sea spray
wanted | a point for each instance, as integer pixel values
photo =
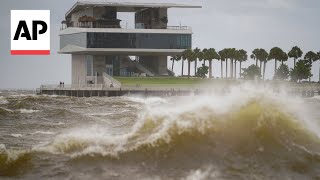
(247, 112)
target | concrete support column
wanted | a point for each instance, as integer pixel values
(157, 64)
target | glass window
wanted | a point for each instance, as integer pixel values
(139, 40)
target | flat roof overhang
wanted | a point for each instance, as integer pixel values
(125, 6)
(74, 30)
(71, 49)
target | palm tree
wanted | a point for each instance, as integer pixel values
(311, 57)
(176, 58)
(172, 59)
(222, 55)
(183, 57)
(204, 52)
(225, 53)
(233, 54)
(242, 57)
(196, 51)
(201, 56)
(295, 53)
(212, 54)
(190, 56)
(277, 54)
(263, 57)
(236, 58)
(284, 57)
(255, 55)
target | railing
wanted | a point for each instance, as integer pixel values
(119, 27)
(72, 87)
(143, 68)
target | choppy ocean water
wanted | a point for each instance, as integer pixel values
(248, 133)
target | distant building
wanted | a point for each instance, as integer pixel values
(92, 34)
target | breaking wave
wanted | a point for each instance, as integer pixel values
(246, 122)
(14, 162)
(5, 111)
(3, 100)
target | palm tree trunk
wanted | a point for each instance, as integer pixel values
(182, 68)
(240, 69)
(221, 69)
(210, 68)
(195, 67)
(235, 69)
(294, 63)
(231, 68)
(256, 62)
(275, 66)
(311, 70)
(264, 69)
(189, 63)
(282, 62)
(226, 68)
(172, 65)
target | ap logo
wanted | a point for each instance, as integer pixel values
(30, 32)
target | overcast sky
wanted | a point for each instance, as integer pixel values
(245, 24)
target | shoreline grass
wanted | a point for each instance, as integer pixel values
(160, 80)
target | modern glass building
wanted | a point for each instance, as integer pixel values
(93, 35)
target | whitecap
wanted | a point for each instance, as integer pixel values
(16, 135)
(100, 114)
(3, 100)
(148, 101)
(28, 111)
(200, 174)
(2, 146)
(43, 132)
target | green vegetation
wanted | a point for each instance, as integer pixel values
(252, 72)
(295, 53)
(158, 80)
(301, 71)
(282, 72)
(202, 71)
(233, 56)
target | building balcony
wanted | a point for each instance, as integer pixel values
(118, 26)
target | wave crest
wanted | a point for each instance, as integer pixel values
(14, 162)
(255, 126)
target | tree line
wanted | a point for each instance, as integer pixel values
(232, 56)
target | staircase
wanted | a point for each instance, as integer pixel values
(143, 69)
(171, 73)
(108, 80)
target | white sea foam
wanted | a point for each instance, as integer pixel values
(203, 174)
(27, 111)
(2, 146)
(100, 114)
(23, 95)
(184, 113)
(59, 123)
(43, 132)
(7, 110)
(16, 135)
(316, 97)
(148, 101)
(3, 100)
